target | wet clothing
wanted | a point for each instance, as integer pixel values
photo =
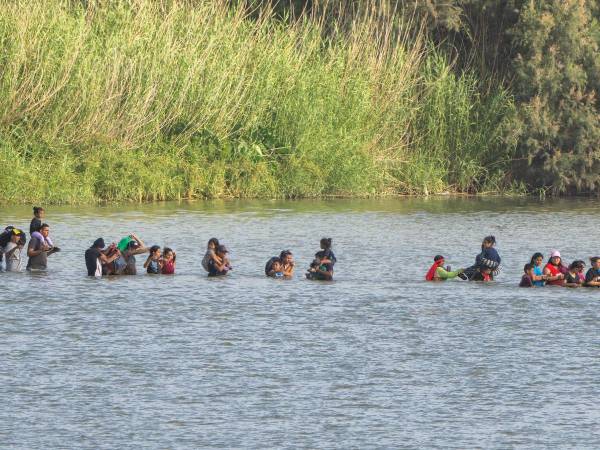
(326, 254)
(319, 276)
(120, 264)
(130, 268)
(554, 271)
(443, 274)
(213, 270)
(572, 279)
(38, 262)
(488, 257)
(538, 271)
(276, 275)
(208, 256)
(526, 281)
(92, 262)
(13, 262)
(480, 276)
(592, 275)
(153, 267)
(168, 267)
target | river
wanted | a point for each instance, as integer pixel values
(376, 358)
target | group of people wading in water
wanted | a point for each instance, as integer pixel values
(536, 273)
(120, 258)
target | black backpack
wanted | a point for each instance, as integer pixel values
(269, 265)
(6, 235)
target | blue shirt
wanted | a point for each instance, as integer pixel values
(538, 271)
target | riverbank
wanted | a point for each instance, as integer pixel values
(208, 102)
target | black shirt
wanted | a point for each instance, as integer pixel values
(570, 279)
(91, 258)
(35, 225)
(213, 271)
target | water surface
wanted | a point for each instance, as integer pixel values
(377, 358)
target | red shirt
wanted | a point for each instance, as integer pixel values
(168, 268)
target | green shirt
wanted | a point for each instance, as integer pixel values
(443, 274)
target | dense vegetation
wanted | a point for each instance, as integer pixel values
(144, 100)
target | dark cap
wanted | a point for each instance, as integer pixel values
(133, 244)
(222, 249)
(99, 243)
(438, 257)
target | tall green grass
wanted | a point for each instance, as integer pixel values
(144, 100)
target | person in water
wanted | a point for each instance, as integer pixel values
(574, 274)
(326, 254)
(437, 272)
(527, 278)
(592, 277)
(538, 272)
(287, 263)
(276, 269)
(488, 257)
(216, 268)
(13, 251)
(554, 271)
(154, 262)
(321, 268)
(128, 248)
(36, 223)
(483, 273)
(211, 254)
(39, 250)
(169, 261)
(96, 257)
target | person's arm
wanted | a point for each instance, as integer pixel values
(138, 240)
(31, 252)
(550, 277)
(443, 274)
(148, 259)
(108, 259)
(139, 251)
(288, 271)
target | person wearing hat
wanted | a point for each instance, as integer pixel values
(554, 270)
(217, 269)
(592, 277)
(438, 273)
(12, 250)
(96, 256)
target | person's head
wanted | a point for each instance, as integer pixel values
(488, 241)
(39, 212)
(99, 243)
(155, 251)
(439, 260)
(576, 266)
(22, 239)
(537, 259)
(213, 243)
(16, 235)
(286, 257)
(45, 230)
(555, 258)
(168, 253)
(528, 269)
(133, 245)
(222, 251)
(595, 262)
(276, 265)
(326, 243)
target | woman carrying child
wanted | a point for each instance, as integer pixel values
(488, 258)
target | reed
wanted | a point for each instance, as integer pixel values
(144, 100)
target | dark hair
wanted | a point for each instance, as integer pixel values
(527, 267)
(22, 238)
(437, 258)
(536, 256)
(99, 243)
(166, 250)
(284, 253)
(37, 210)
(577, 264)
(213, 241)
(326, 243)
(44, 225)
(276, 260)
(154, 248)
(221, 249)
(489, 239)
(593, 259)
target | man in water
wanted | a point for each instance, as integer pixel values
(95, 257)
(38, 250)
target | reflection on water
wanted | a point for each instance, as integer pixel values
(377, 358)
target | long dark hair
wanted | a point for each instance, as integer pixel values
(154, 248)
(283, 254)
(536, 256)
(37, 210)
